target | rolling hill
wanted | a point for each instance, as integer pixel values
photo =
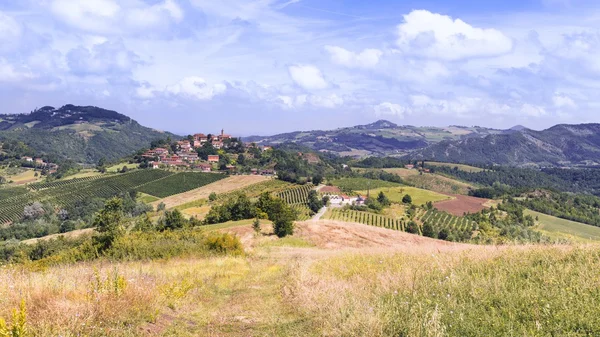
(379, 138)
(560, 145)
(81, 133)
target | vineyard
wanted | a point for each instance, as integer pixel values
(367, 218)
(178, 183)
(296, 195)
(254, 190)
(459, 228)
(64, 193)
(454, 224)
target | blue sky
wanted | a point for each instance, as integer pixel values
(268, 66)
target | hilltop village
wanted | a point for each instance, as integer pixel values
(204, 152)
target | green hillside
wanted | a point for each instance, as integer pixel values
(553, 225)
(83, 134)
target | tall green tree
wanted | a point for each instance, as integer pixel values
(109, 223)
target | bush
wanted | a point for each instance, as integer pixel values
(225, 244)
(407, 199)
(412, 227)
(212, 196)
(428, 230)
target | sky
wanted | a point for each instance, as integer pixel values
(271, 66)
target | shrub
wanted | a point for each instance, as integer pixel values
(212, 196)
(407, 199)
(225, 244)
(412, 227)
(428, 230)
(256, 226)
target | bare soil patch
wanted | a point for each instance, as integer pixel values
(221, 186)
(462, 204)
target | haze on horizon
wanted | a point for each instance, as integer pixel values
(267, 67)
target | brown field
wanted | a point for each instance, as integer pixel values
(462, 204)
(221, 186)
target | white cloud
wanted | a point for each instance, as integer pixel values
(439, 36)
(330, 101)
(387, 108)
(530, 110)
(196, 87)
(9, 73)
(368, 58)
(563, 101)
(10, 29)
(110, 16)
(308, 77)
(107, 58)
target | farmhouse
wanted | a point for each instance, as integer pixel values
(154, 164)
(205, 167)
(213, 158)
(409, 166)
(27, 159)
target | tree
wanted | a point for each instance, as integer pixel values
(412, 227)
(279, 212)
(383, 199)
(429, 205)
(212, 196)
(241, 160)
(173, 220)
(317, 179)
(109, 223)
(314, 203)
(428, 230)
(407, 199)
(124, 169)
(101, 165)
(33, 211)
(161, 207)
(256, 226)
(443, 234)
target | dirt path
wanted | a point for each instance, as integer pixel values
(221, 186)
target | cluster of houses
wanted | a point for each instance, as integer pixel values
(40, 163)
(338, 199)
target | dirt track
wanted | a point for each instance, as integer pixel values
(221, 186)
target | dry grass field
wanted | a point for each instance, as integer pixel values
(329, 279)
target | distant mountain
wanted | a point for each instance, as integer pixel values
(379, 138)
(81, 133)
(561, 145)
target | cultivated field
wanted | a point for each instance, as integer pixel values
(438, 184)
(461, 167)
(329, 279)
(552, 225)
(419, 196)
(461, 204)
(221, 186)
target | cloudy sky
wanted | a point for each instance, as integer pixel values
(268, 66)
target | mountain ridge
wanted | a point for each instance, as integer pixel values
(83, 134)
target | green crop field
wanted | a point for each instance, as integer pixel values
(179, 183)
(366, 218)
(419, 196)
(357, 184)
(458, 227)
(297, 195)
(65, 192)
(553, 225)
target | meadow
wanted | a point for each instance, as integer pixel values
(390, 284)
(466, 168)
(551, 225)
(419, 196)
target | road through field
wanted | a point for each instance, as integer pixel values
(221, 186)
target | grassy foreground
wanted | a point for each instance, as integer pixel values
(291, 288)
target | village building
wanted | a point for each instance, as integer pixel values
(409, 166)
(153, 164)
(213, 158)
(205, 167)
(27, 159)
